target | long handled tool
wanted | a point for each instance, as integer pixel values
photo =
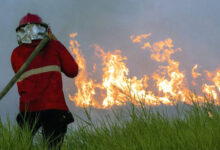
(24, 66)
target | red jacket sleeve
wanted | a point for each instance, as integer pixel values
(68, 65)
(13, 60)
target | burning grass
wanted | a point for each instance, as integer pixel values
(166, 83)
(147, 123)
(191, 127)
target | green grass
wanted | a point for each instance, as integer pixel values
(137, 128)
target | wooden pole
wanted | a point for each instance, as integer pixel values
(40, 46)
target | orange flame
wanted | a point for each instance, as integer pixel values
(210, 91)
(85, 86)
(213, 90)
(118, 88)
(194, 73)
(216, 79)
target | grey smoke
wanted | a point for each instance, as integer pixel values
(194, 26)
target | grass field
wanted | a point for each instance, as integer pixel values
(192, 128)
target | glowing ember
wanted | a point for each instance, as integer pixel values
(118, 88)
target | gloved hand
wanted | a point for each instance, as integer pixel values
(51, 35)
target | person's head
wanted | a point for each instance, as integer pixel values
(31, 27)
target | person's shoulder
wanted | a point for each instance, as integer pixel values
(56, 43)
(16, 51)
(18, 48)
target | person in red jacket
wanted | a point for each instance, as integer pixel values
(42, 102)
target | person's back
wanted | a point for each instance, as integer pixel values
(40, 86)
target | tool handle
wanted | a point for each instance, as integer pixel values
(40, 46)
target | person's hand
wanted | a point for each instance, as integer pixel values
(52, 36)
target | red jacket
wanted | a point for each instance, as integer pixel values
(40, 86)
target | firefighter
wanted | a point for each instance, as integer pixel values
(42, 102)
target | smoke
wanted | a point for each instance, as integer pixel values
(193, 26)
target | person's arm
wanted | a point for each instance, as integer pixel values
(16, 59)
(68, 65)
(13, 61)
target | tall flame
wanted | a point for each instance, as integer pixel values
(85, 86)
(118, 88)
